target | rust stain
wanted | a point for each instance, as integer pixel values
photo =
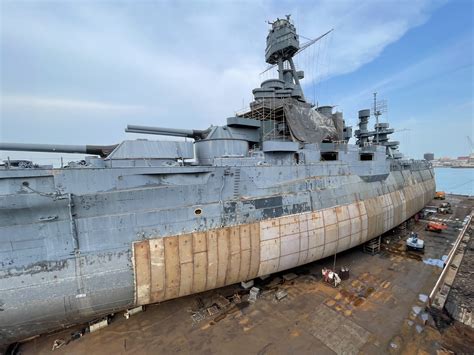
(358, 301)
(180, 265)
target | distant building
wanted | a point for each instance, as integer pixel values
(428, 156)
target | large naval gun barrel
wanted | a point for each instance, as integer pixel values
(175, 132)
(102, 150)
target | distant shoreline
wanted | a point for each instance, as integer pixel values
(453, 167)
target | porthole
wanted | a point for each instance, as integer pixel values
(198, 211)
(25, 183)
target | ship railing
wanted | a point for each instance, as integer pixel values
(243, 111)
(410, 164)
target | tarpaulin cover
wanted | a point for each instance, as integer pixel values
(309, 126)
(339, 124)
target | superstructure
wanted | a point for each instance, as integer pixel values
(146, 221)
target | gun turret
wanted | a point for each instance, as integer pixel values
(175, 132)
(102, 150)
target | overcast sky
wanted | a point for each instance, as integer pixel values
(77, 72)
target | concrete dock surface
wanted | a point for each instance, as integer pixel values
(380, 308)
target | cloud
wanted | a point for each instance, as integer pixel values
(102, 53)
(361, 29)
(438, 63)
(177, 64)
(38, 103)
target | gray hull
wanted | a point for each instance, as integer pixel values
(277, 186)
(77, 243)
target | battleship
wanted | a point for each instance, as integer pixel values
(145, 221)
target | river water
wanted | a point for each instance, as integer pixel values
(455, 181)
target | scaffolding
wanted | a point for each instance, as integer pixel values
(271, 110)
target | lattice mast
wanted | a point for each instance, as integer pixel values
(380, 107)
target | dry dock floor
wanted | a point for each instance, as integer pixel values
(379, 309)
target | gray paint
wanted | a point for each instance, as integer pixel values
(66, 234)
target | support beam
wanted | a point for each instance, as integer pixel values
(295, 76)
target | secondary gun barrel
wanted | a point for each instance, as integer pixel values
(175, 132)
(102, 150)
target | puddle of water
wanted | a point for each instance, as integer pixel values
(424, 317)
(435, 262)
(416, 310)
(423, 298)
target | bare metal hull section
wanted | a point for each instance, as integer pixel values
(180, 265)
